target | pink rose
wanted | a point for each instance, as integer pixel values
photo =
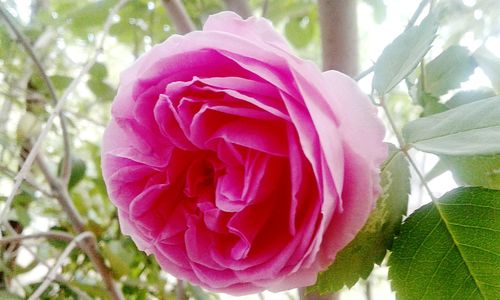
(240, 166)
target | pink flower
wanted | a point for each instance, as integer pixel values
(240, 166)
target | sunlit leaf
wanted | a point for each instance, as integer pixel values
(448, 70)
(401, 56)
(470, 129)
(450, 249)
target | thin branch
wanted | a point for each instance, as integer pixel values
(66, 170)
(178, 15)
(59, 106)
(416, 14)
(56, 235)
(180, 293)
(90, 246)
(60, 189)
(30, 181)
(241, 7)
(404, 148)
(265, 8)
(52, 273)
(12, 231)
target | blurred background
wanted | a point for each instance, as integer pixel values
(66, 34)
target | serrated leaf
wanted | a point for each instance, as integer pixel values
(448, 70)
(401, 56)
(450, 249)
(471, 129)
(369, 246)
(490, 64)
(479, 170)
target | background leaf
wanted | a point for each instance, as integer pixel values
(466, 130)
(448, 70)
(369, 246)
(450, 249)
(478, 170)
(401, 56)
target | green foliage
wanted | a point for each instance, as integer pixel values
(369, 246)
(450, 249)
(477, 170)
(490, 63)
(401, 56)
(299, 31)
(471, 129)
(448, 70)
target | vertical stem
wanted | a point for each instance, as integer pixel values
(178, 15)
(241, 7)
(339, 35)
(180, 291)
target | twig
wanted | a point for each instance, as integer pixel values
(265, 8)
(178, 15)
(66, 170)
(56, 235)
(404, 147)
(180, 292)
(60, 189)
(416, 14)
(90, 247)
(12, 231)
(29, 181)
(241, 7)
(36, 147)
(51, 274)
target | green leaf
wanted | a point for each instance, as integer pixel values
(5, 295)
(479, 170)
(450, 249)
(490, 64)
(439, 168)
(60, 82)
(119, 256)
(369, 246)
(470, 129)
(401, 56)
(299, 31)
(92, 15)
(78, 169)
(101, 89)
(431, 105)
(448, 70)
(465, 97)
(98, 71)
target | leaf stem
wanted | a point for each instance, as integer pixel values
(404, 147)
